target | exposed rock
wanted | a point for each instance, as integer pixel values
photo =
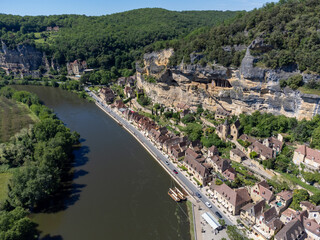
(256, 89)
(23, 59)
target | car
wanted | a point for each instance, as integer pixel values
(208, 204)
(218, 214)
(198, 195)
(175, 171)
(167, 163)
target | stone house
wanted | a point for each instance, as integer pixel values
(199, 169)
(312, 229)
(223, 130)
(237, 155)
(234, 130)
(213, 150)
(129, 92)
(222, 114)
(76, 67)
(121, 81)
(307, 156)
(307, 206)
(263, 151)
(260, 191)
(251, 211)
(282, 201)
(247, 138)
(106, 94)
(231, 200)
(274, 144)
(315, 214)
(182, 106)
(268, 223)
(178, 150)
(218, 164)
(230, 174)
(293, 230)
(289, 214)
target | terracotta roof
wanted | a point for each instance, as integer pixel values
(286, 195)
(290, 231)
(192, 153)
(245, 137)
(238, 152)
(213, 149)
(307, 204)
(312, 226)
(230, 174)
(309, 153)
(275, 142)
(235, 198)
(275, 224)
(261, 149)
(265, 191)
(222, 164)
(197, 166)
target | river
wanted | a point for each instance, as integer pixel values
(119, 191)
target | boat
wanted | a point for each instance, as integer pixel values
(179, 193)
(173, 195)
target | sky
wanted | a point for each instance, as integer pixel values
(103, 7)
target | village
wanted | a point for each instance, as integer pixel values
(234, 179)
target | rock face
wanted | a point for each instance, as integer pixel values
(24, 59)
(239, 90)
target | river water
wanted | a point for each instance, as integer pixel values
(119, 191)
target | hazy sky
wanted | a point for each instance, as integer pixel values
(102, 7)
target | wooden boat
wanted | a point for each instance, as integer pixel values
(173, 195)
(179, 193)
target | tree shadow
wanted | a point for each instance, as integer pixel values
(70, 191)
(80, 156)
(49, 237)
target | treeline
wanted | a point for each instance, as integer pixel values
(265, 125)
(105, 41)
(41, 157)
(289, 28)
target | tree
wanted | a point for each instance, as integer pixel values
(16, 225)
(315, 198)
(316, 138)
(253, 155)
(298, 196)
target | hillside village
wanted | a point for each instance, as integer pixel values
(234, 174)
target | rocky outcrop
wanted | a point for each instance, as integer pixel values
(241, 90)
(24, 59)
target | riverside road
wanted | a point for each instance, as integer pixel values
(181, 178)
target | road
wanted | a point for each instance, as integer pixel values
(181, 178)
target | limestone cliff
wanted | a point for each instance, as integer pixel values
(22, 60)
(246, 89)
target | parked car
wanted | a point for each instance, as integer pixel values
(198, 195)
(167, 162)
(175, 171)
(208, 204)
(218, 214)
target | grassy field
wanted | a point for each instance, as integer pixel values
(4, 180)
(190, 213)
(309, 91)
(13, 117)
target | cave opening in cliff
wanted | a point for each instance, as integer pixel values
(221, 83)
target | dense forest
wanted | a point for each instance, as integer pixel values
(104, 41)
(290, 30)
(39, 159)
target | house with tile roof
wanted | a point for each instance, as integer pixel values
(282, 201)
(294, 230)
(237, 155)
(263, 151)
(213, 150)
(268, 223)
(198, 168)
(308, 157)
(312, 229)
(260, 191)
(289, 214)
(251, 211)
(273, 143)
(218, 164)
(231, 200)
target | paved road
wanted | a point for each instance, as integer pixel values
(186, 182)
